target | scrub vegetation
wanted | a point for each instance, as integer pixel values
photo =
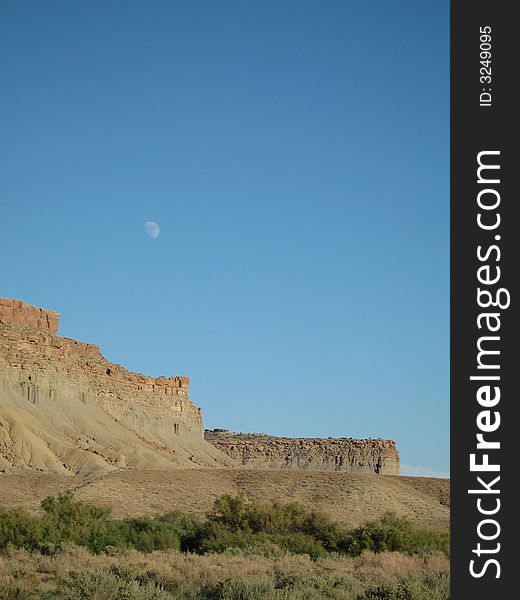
(241, 550)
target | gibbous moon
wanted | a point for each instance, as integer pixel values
(152, 229)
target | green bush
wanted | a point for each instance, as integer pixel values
(236, 514)
(393, 534)
(20, 530)
(300, 543)
(68, 520)
(233, 524)
(237, 589)
(236, 523)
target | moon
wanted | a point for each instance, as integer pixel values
(151, 229)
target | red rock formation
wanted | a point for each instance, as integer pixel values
(17, 312)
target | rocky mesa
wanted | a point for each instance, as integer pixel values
(260, 451)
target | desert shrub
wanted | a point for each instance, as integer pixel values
(105, 585)
(304, 588)
(330, 585)
(430, 586)
(74, 572)
(237, 589)
(15, 591)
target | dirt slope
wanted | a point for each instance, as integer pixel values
(350, 497)
(63, 434)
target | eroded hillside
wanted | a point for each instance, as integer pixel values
(65, 409)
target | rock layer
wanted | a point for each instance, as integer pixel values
(260, 451)
(65, 408)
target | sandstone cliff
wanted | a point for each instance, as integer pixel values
(64, 408)
(260, 451)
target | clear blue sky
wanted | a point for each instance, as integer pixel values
(295, 155)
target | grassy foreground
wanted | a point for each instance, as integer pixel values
(76, 574)
(240, 551)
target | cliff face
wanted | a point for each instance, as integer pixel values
(65, 408)
(21, 314)
(259, 451)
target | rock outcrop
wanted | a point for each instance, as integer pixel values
(260, 451)
(64, 408)
(20, 314)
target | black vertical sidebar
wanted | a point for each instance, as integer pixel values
(484, 120)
